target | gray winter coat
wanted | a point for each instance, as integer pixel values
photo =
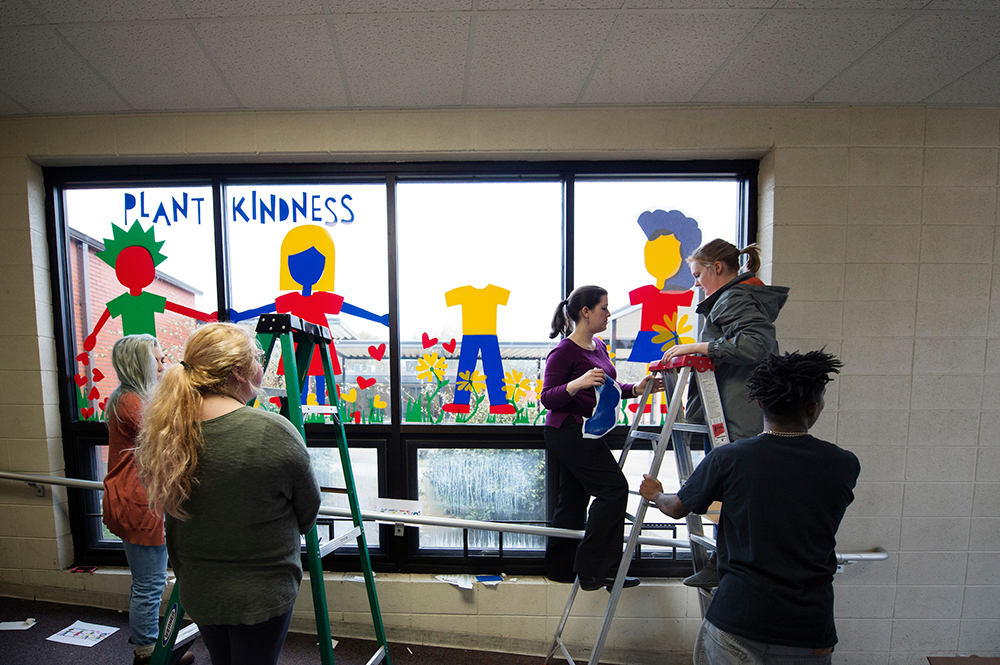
(739, 329)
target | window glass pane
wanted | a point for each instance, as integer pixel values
(319, 251)
(145, 258)
(479, 278)
(330, 473)
(652, 226)
(481, 484)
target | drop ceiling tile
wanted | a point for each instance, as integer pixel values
(42, 74)
(978, 87)
(851, 4)
(13, 12)
(277, 64)
(524, 5)
(156, 67)
(701, 4)
(923, 56)
(963, 5)
(404, 61)
(9, 107)
(396, 6)
(534, 60)
(665, 58)
(87, 11)
(236, 8)
(791, 55)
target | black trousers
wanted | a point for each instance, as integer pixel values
(259, 644)
(587, 468)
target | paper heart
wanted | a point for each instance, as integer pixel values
(103, 403)
(84, 358)
(349, 396)
(365, 383)
(275, 401)
(635, 407)
(94, 393)
(98, 375)
(357, 417)
(80, 380)
(377, 352)
(86, 413)
(429, 341)
(379, 403)
(449, 346)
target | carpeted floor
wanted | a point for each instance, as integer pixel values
(30, 646)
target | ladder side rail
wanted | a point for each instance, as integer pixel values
(630, 437)
(164, 648)
(711, 402)
(352, 499)
(557, 642)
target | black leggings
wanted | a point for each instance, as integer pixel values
(587, 468)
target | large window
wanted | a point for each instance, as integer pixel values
(437, 283)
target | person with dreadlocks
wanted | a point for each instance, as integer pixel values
(784, 494)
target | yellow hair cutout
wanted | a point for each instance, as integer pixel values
(300, 239)
(663, 258)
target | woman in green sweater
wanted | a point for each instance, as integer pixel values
(237, 488)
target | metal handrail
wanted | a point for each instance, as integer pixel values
(878, 554)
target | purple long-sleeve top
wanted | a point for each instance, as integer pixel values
(566, 362)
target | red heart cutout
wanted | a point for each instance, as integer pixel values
(377, 352)
(84, 358)
(365, 383)
(635, 407)
(80, 380)
(103, 403)
(98, 374)
(429, 341)
(86, 413)
(357, 417)
(449, 346)
(94, 393)
(275, 401)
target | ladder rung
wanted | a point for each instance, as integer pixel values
(704, 541)
(378, 657)
(334, 490)
(338, 542)
(689, 427)
(648, 436)
(275, 392)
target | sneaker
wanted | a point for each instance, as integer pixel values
(706, 578)
(588, 583)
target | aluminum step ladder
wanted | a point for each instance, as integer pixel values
(715, 433)
(298, 339)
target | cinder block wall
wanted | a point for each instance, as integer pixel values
(882, 220)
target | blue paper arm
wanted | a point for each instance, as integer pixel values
(348, 308)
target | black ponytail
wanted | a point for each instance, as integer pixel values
(568, 311)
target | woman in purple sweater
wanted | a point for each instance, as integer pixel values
(587, 467)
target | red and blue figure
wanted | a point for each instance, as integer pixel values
(479, 336)
(308, 258)
(670, 237)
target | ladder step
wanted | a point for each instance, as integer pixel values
(647, 436)
(274, 392)
(334, 490)
(690, 427)
(338, 542)
(378, 657)
(704, 541)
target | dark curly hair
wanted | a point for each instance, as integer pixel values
(786, 384)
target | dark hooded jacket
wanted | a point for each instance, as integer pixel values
(739, 329)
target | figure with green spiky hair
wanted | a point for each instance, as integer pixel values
(134, 254)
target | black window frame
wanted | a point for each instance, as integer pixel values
(396, 442)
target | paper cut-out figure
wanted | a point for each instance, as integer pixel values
(308, 259)
(671, 236)
(134, 254)
(479, 335)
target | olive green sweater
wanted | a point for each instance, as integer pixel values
(237, 559)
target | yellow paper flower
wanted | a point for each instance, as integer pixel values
(430, 367)
(672, 333)
(474, 381)
(538, 388)
(515, 385)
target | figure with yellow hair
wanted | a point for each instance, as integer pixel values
(308, 257)
(670, 237)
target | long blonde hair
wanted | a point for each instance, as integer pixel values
(171, 439)
(719, 250)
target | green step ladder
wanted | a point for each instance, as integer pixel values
(287, 329)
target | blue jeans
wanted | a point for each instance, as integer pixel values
(148, 565)
(717, 647)
(259, 644)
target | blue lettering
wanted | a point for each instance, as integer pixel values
(253, 203)
(199, 207)
(296, 208)
(282, 209)
(314, 209)
(343, 202)
(161, 212)
(328, 202)
(129, 204)
(142, 205)
(178, 207)
(238, 209)
(264, 210)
